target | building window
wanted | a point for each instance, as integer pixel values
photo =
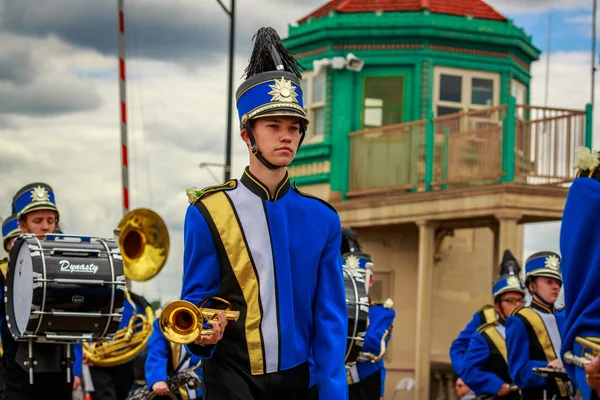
(519, 92)
(457, 90)
(383, 102)
(314, 88)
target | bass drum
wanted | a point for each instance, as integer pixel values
(357, 302)
(64, 289)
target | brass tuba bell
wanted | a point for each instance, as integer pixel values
(143, 241)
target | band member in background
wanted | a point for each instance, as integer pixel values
(115, 382)
(485, 315)
(10, 231)
(581, 271)
(533, 334)
(165, 360)
(270, 250)
(37, 213)
(485, 368)
(366, 378)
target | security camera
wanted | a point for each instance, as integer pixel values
(354, 63)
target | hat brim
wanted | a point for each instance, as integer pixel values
(548, 274)
(46, 205)
(508, 289)
(282, 113)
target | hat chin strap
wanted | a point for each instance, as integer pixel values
(537, 295)
(257, 152)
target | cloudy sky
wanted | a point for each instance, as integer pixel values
(59, 120)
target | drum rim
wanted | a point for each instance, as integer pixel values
(357, 304)
(8, 298)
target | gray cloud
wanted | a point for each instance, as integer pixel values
(180, 31)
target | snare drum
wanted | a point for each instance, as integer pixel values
(357, 303)
(64, 289)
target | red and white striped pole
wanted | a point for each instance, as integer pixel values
(123, 102)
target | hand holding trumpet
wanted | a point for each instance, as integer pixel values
(182, 322)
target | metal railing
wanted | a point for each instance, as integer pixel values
(505, 143)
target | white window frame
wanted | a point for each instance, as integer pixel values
(467, 76)
(515, 87)
(310, 107)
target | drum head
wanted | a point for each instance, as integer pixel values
(22, 287)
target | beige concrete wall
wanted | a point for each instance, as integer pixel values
(461, 281)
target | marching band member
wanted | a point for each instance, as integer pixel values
(37, 213)
(167, 359)
(533, 334)
(270, 250)
(115, 382)
(367, 376)
(581, 271)
(485, 315)
(10, 231)
(485, 368)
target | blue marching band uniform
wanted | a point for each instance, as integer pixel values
(581, 266)
(485, 364)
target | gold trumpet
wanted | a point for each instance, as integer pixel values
(143, 241)
(589, 343)
(181, 321)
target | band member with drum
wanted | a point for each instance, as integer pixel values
(485, 368)
(37, 213)
(165, 360)
(270, 250)
(366, 375)
(533, 334)
(581, 270)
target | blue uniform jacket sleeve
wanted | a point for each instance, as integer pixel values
(481, 382)
(461, 343)
(520, 367)
(330, 320)
(78, 355)
(155, 368)
(579, 236)
(201, 267)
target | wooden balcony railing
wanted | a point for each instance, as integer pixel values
(505, 143)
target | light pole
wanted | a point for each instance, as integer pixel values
(231, 13)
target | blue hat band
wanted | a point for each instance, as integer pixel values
(268, 95)
(358, 262)
(538, 267)
(512, 284)
(26, 202)
(10, 225)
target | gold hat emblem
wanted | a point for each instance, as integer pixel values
(552, 262)
(513, 281)
(352, 262)
(283, 91)
(39, 193)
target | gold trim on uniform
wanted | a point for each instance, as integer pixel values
(490, 315)
(230, 232)
(498, 341)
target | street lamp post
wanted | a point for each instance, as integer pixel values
(231, 13)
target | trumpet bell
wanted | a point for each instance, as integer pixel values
(143, 239)
(179, 322)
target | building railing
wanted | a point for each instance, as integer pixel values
(505, 143)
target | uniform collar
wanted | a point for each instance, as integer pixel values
(542, 307)
(261, 190)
